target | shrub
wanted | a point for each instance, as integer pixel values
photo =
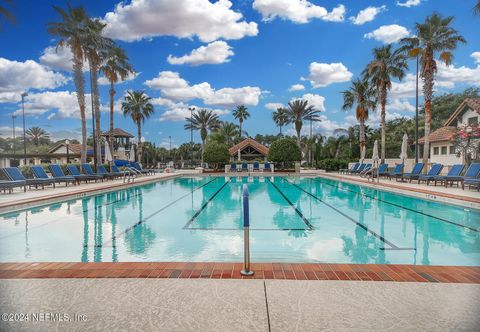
(216, 154)
(284, 151)
(332, 164)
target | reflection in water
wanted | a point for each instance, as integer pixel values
(84, 257)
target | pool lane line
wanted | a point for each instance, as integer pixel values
(402, 207)
(205, 205)
(152, 215)
(305, 220)
(378, 236)
(241, 229)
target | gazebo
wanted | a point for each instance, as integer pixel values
(121, 142)
(248, 149)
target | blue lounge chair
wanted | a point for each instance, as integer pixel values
(57, 173)
(358, 170)
(87, 169)
(244, 167)
(472, 172)
(346, 170)
(365, 170)
(472, 182)
(118, 172)
(256, 166)
(73, 170)
(9, 185)
(397, 171)
(455, 171)
(14, 174)
(40, 173)
(382, 169)
(267, 167)
(432, 173)
(373, 172)
(103, 171)
(233, 167)
(416, 171)
(139, 167)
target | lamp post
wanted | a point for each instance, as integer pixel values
(416, 116)
(67, 143)
(191, 109)
(13, 128)
(24, 138)
(316, 153)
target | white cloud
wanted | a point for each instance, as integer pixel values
(175, 88)
(181, 18)
(179, 111)
(409, 3)
(388, 33)
(131, 76)
(476, 56)
(366, 15)
(461, 74)
(402, 105)
(6, 131)
(213, 53)
(274, 106)
(323, 74)
(16, 77)
(298, 11)
(316, 101)
(297, 87)
(59, 58)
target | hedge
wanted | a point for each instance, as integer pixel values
(216, 154)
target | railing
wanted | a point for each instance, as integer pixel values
(246, 234)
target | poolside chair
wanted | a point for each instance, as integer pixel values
(57, 173)
(118, 172)
(365, 170)
(432, 173)
(267, 167)
(472, 172)
(244, 167)
(346, 170)
(454, 171)
(103, 171)
(233, 167)
(9, 185)
(73, 170)
(397, 171)
(39, 173)
(87, 169)
(14, 174)
(373, 172)
(358, 170)
(472, 183)
(416, 172)
(139, 167)
(382, 170)
(256, 166)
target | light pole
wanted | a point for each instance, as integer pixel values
(24, 138)
(416, 116)
(310, 144)
(316, 152)
(67, 143)
(191, 109)
(13, 128)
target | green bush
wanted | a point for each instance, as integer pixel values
(216, 154)
(284, 151)
(332, 164)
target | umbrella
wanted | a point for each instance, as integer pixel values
(375, 152)
(108, 153)
(239, 156)
(403, 153)
(132, 155)
(362, 154)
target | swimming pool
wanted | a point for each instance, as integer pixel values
(292, 219)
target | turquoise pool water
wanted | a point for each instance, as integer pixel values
(293, 219)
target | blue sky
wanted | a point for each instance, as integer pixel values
(216, 55)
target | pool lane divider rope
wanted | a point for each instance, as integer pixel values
(378, 236)
(205, 205)
(402, 207)
(152, 215)
(305, 220)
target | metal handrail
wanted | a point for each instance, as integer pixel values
(246, 234)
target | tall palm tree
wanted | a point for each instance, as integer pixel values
(71, 31)
(362, 94)
(137, 105)
(6, 13)
(116, 68)
(241, 114)
(432, 37)
(476, 9)
(385, 66)
(37, 135)
(204, 121)
(280, 117)
(228, 131)
(96, 48)
(299, 111)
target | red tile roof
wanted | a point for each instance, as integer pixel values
(440, 135)
(248, 142)
(473, 103)
(74, 148)
(117, 132)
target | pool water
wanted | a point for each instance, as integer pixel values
(292, 219)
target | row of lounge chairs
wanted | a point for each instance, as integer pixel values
(471, 177)
(15, 179)
(246, 167)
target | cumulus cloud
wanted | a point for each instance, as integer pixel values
(16, 77)
(388, 33)
(130, 77)
(59, 58)
(274, 106)
(409, 3)
(177, 112)
(476, 56)
(323, 74)
(314, 100)
(297, 87)
(175, 88)
(298, 11)
(366, 15)
(214, 53)
(461, 74)
(402, 105)
(208, 21)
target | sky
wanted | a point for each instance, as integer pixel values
(220, 54)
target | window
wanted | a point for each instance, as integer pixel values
(444, 150)
(473, 121)
(452, 150)
(435, 150)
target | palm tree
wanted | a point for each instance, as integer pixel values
(71, 31)
(280, 117)
(362, 94)
(204, 121)
(433, 36)
(299, 111)
(385, 66)
(228, 131)
(37, 135)
(137, 105)
(96, 48)
(115, 68)
(6, 13)
(241, 114)
(476, 9)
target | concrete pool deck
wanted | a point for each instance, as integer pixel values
(242, 305)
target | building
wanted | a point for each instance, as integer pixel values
(122, 143)
(442, 149)
(62, 151)
(248, 149)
